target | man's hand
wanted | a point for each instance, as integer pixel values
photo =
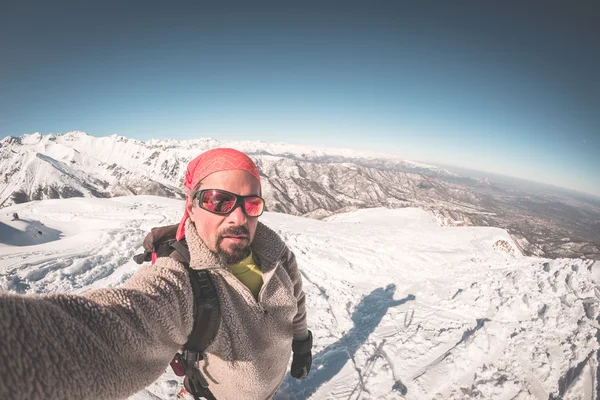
(302, 359)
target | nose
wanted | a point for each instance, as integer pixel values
(237, 216)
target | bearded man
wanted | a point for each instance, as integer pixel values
(112, 342)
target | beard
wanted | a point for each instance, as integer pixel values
(236, 252)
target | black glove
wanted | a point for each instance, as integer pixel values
(302, 359)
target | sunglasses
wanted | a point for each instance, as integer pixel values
(221, 202)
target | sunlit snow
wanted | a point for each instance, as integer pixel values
(399, 306)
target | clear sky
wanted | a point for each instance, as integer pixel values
(507, 88)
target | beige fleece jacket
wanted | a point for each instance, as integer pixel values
(111, 343)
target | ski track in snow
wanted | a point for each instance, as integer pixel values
(400, 308)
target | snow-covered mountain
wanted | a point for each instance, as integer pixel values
(298, 180)
(36, 167)
(401, 307)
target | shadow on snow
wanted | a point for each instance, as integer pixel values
(35, 233)
(329, 362)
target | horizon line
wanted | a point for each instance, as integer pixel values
(437, 164)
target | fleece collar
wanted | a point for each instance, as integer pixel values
(267, 246)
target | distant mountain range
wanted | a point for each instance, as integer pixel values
(298, 180)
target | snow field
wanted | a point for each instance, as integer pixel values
(399, 306)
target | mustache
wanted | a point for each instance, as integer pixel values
(235, 231)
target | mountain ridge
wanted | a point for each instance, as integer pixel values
(298, 180)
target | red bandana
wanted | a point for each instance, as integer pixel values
(209, 162)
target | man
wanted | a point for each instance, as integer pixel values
(110, 343)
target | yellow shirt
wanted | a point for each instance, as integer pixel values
(249, 274)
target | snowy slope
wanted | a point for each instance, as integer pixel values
(298, 180)
(76, 165)
(400, 307)
(118, 166)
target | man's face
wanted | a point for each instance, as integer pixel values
(229, 235)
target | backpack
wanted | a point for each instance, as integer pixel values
(161, 242)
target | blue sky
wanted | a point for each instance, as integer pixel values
(503, 88)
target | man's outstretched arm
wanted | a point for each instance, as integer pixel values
(105, 344)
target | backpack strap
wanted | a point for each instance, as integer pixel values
(206, 324)
(207, 319)
(206, 304)
(182, 249)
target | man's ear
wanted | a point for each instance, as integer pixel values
(189, 204)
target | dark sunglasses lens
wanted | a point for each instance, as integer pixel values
(254, 206)
(217, 202)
